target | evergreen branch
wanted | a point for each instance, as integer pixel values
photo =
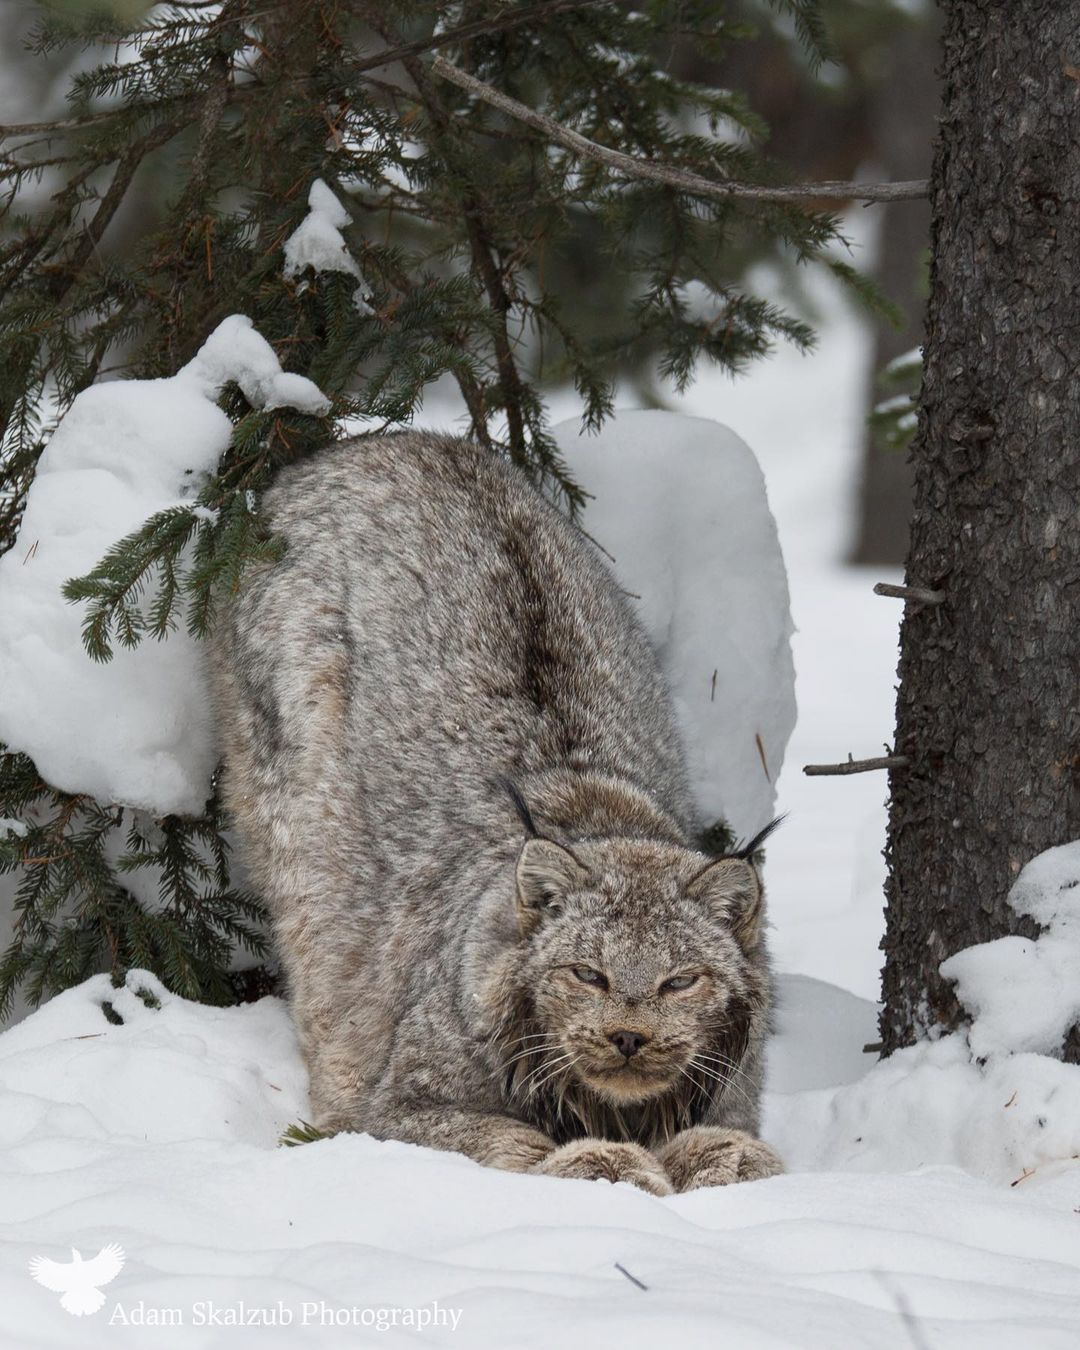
(510, 381)
(481, 249)
(66, 275)
(465, 32)
(114, 586)
(303, 1132)
(667, 174)
(212, 109)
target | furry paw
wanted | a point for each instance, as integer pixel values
(601, 1160)
(707, 1155)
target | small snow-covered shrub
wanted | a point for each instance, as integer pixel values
(118, 857)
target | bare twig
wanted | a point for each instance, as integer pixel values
(856, 766)
(667, 174)
(632, 1278)
(920, 594)
(212, 109)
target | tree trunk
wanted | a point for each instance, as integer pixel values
(989, 701)
(902, 110)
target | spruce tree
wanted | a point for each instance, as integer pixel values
(494, 253)
(985, 773)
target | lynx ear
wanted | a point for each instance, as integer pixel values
(732, 888)
(545, 872)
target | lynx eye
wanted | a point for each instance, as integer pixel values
(587, 975)
(677, 983)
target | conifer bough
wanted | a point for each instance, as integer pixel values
(498, 256)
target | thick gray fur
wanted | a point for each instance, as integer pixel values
(435, 629)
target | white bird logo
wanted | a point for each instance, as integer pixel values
(77, 1281)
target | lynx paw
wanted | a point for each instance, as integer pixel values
(707, 1155)
(600, 1160)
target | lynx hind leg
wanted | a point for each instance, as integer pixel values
(342, 1033)
(602, 1160)
(279, 675)
(708, 1155)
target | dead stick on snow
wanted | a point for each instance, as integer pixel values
(632, 1278)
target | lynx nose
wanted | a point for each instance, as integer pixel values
(627, 1043)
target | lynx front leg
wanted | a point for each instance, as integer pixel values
(602, 1160)
(495, 1140)
(708, 1155)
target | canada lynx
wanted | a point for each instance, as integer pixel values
(454, 768)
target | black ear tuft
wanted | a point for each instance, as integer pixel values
(746, 851)
(521, 806)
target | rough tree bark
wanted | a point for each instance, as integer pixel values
(989, 701)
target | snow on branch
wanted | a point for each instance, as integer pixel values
(135, 730)
(319, 244)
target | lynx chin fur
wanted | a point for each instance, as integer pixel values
(454, 768)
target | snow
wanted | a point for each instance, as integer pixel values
(318, 243)
(993, 1098)
(236, 351)
(159, 1135)
(894, 404)
(1026, 992)
(679, 505)
(136, 730)
(805, 418)
(932, 1200)
(905, 361)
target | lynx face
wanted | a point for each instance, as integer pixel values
(637, 966)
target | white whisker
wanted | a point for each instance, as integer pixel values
(560, 1068)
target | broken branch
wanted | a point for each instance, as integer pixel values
(857, 766)
(667, 174)
(921, 594)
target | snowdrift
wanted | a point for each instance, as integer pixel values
(159, 1134)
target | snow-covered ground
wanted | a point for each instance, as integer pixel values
(932, 1201)
(159, 1135)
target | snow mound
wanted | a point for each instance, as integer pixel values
(933, 1106)
(318, 243)
(1025, 993)
(158, 1134)
(994, 1099)
(833, 1053)
(140, 1063)
(680, 505)
(136, 730)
